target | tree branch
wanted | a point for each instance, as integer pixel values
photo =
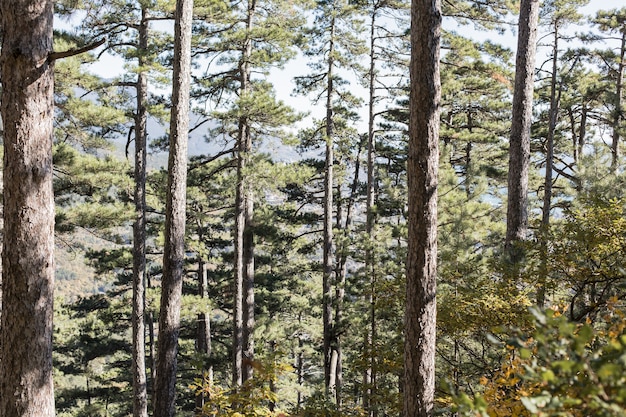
(53, 56)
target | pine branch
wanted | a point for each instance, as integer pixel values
(53, 56)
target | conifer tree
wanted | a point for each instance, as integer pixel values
(422, 166)
(257, 37)
(27, 108)
(613, 60)
(561, 14)
(521, 116)
(174, 251)
(335, 41)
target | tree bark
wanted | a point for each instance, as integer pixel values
(27, 107)
(203, 332)
(140, 391)
(519, 148)
(174, 251)
(327, 245)
(369, 376)
(618, 113)
(547, 194)
(243, 341)
(423, 159)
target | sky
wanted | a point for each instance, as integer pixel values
(111, 66)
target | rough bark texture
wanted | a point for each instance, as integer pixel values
(140, 391)
(243, 342)
(248, 230)
(26, 388)
(519, 147)
(423, 158)
(174, 251)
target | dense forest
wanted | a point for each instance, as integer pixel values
(313, 208)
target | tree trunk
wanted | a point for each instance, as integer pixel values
(140, 392)
(547, 194)
(369, 376)
(618, 113)
(423, 158)
(174, 251)
(519, 148)
(27, 107)
(203, 334)
(327, 249)
(243, 341)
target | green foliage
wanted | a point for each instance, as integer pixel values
(561, 369)
(256, 397)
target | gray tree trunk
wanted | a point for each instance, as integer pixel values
(519, 147)
(423, 159)
(27, 107)
(140, 391)
(618, 112)
(174, 251)
(248, 230)
(547, 194)
(327, 245)
(243, 341)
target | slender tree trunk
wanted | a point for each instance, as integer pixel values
(243, 340)
(329, 377)
(203, 332)
(369, 376)
(341, 272)
(618, 113)
(27, 109)
(519, 148)
(174, 251)
(547, 195)
(423, 158)
(151, 342)
(248, 232)
(140, 392)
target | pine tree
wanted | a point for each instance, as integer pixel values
(519, 147)
(174, 251)
(258, 36)
(28, 237)
(611, 23)
(422, 166)
(561, 14)
(335, 41)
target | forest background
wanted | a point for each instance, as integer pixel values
(319, 309)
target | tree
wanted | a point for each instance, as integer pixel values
(174, 251)
(612, 22)
(27, 110)
(519, 147)
(560, 13)
(423, 159)
(335, 42)
(140, 389)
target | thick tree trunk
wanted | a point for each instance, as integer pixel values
(140, 392)
(423, 158)
(519, 147)
(27, 107)
(174, 251)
